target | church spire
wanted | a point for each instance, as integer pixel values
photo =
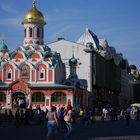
(72, 51)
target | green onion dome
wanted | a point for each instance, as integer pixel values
(73, 61)
(3, 47)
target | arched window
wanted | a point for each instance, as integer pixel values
(30, 32)
(2, 97)
(58, 97)
(38, 97)
(41, 74)
(38, 32)
(42, 33)
(24, 32)
(9, 74)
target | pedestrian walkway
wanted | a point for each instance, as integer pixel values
(118, 138)
(98, 130)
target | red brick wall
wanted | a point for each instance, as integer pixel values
(50, 75)
(33, 75)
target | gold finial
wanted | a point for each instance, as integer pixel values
(34, 3)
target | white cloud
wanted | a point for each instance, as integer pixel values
(11, 21)
(2, 37)
(59, 31)
(7, 8)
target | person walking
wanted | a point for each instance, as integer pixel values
(10, 116)
(68, 120)
(52, 125)
(127, 116)
(0, 108)
(17, 118)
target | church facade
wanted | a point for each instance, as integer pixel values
(33, 72)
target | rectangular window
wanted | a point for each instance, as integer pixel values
(9, 75)
(41, 75)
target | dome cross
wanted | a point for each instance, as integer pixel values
(34, 1)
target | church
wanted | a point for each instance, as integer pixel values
(36, 74)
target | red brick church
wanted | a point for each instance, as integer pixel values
(34, 73)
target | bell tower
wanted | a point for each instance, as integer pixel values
(33, 27)
(73, 66)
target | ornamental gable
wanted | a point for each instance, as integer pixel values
(18, 56)
(35, 55)
(19, 85)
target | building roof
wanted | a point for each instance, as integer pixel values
(4, 86)
(89, 36)
(3, 47)
(50, 86)
(34, 16)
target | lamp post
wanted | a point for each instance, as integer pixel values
(90, 49)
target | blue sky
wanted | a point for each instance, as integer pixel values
(118, 21)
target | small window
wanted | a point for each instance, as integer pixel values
(41, 74)
(30, 32)
(38, 32)
(9, 74)
(24, 32)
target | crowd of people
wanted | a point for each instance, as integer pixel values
(63, 118)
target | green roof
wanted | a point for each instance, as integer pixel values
(3, 47)
(4, 86)
(50, 86)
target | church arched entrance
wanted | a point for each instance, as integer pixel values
(19, 99)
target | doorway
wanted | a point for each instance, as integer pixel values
(18, 100)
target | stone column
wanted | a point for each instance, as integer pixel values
(48, 102)
(29, 100)
(9, 99)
